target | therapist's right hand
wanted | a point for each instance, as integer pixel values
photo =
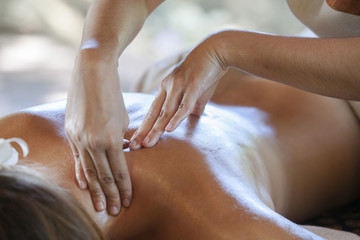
(185, 91)
(95, 122)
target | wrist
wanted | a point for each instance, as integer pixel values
(231, 47)
(222, 44)
(93, 68)
(93, 50)
(96, 56)
(216, 47)
(95, 61)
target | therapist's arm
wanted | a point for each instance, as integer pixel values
(324, 66)
(96, 117)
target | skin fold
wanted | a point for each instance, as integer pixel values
(248, 168)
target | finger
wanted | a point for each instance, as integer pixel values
(184, 110)
(168, 110)
(107, 181)
(96, 192)
(126, 143)
(198, 109)
(203, 100)
(148, 121)
(121, 175)
(79, 173)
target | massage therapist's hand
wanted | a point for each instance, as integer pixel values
(95, 122)
(185, 91)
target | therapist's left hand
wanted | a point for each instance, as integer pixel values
(185, 91)
(95, 122)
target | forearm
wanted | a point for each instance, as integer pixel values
(323, 66)
(111, 25)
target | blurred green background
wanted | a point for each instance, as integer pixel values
(39, 40)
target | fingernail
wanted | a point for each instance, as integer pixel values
(82, 184)
(133, 145)
(147, 140)
(126, 202)
(168, 127)
(100, 206)
(114, 210)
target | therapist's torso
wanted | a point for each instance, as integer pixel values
(329, 18)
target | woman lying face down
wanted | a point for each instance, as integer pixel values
(249, 168)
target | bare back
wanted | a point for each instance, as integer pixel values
(222, 175)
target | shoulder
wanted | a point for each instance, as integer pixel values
(48, 118)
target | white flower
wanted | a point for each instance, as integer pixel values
(8, 154)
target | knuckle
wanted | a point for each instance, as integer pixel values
(90, 173)
(163, 83)
(106, 180)
(173, 83)
(112, 198)
(184, 107)
(183, 112)
(150, 116)
(121, 176)
(96, 194)
(164, 113)
(167, 80)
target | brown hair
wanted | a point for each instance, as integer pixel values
(32, 208)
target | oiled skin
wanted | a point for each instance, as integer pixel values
(224, 175)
